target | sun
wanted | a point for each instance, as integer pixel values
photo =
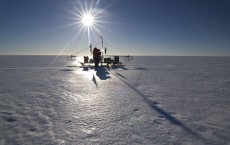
(88, 20)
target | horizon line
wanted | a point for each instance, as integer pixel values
(120, 55)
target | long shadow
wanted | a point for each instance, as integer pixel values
(102, 73)
(94, 80)
(125, 68)
(121, 75)
(161, 111)
(140, 68)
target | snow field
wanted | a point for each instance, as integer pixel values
(151, 100)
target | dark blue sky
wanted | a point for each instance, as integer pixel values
(136, 27)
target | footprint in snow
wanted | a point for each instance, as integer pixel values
(136, 109)
(11, 119)
(68, 121)
(32, 129)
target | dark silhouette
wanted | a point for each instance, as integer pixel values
(116, 60)
(96, 56)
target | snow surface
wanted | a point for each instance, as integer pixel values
(151, 100)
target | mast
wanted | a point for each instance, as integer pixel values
(101, 49)
(102, 42)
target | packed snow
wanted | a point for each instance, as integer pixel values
(148, 101)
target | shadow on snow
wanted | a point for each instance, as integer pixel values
(102, 73)
(164, 113)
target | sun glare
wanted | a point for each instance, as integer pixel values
(87, 20)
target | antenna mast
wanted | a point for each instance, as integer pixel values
(102, 51)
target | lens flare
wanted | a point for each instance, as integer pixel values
(85, 19)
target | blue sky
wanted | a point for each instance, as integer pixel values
(135, 27)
